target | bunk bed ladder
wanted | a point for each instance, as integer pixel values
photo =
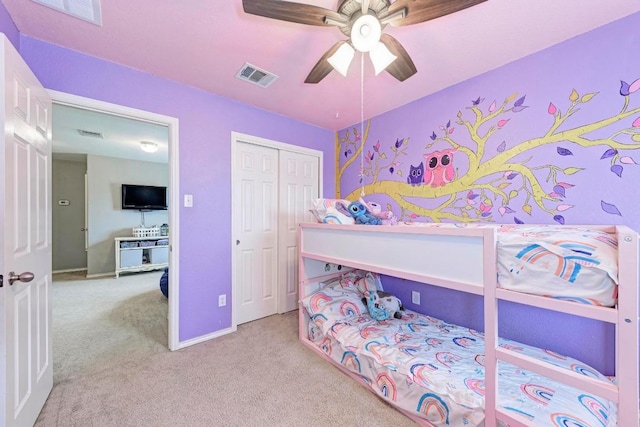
(626, 393)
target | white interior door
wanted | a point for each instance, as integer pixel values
(25, 206)
(299, 185)
(256, 190)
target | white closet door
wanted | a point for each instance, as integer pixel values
(298, 187)
(257, 252)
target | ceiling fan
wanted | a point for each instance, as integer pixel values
(362, 21)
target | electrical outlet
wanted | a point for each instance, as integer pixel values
(222, 300)
(415, 297)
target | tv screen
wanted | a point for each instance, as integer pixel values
(144, 197)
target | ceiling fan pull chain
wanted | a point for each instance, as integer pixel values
(362, 124)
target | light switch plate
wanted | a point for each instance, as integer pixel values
(188, 200)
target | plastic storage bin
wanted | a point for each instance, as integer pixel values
(130, 258)
(158, 255)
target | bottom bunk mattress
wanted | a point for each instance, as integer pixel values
(435, 370)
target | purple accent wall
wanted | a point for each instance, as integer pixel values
(584, 178)
(8, 27)
(206, 123)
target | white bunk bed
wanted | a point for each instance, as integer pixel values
(434, 255)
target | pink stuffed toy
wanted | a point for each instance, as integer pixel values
(387, 217)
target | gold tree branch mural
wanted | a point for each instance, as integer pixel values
(470, 195)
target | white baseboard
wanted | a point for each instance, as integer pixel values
(203, 338)
(69, 270)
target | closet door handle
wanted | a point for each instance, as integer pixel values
(237, 242)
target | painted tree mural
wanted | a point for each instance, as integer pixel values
(475, 175)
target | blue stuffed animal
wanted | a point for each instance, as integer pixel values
(376, 310)
(359, 212)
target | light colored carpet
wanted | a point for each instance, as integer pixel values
(112, 368)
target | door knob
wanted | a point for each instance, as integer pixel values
(24, 277)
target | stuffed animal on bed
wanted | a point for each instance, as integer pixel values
(386, 217)
(359, 212)
(382, 305)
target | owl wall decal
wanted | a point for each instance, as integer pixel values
(439, 167)
(415, 174)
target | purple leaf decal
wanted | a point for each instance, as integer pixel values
(617, 169)
(609, 153)
(448, 124)
(609, 208)
(559, 219)
(519, 102)
(398, 143)
(564, 152)
(558, 189)
(346, 154)
(391, 169)
(507, 209)
(624, 88)
(486, 214)
(517, 221)
(512, 175)
(477, 101)
(502, 146)
(433, 136)
(519, 108)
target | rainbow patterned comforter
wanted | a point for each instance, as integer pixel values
(436, 370)
(564, 262)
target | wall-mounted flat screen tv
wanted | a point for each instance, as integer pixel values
(144, 197)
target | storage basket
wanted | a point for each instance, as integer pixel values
(147, 243)
(146, 231)
(126, 244)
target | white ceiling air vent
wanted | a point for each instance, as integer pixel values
(255, 75)
(87, 10)
(90, 134)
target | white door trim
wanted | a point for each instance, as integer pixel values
(236, 138)
(174, 191)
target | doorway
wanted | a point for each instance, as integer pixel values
(273, 186)
(61, 98)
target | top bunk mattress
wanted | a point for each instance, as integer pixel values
(569, 263)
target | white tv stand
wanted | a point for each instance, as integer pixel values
(141, 254)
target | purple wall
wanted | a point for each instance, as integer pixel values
(8, 27)
(580, 177)
(206, 123)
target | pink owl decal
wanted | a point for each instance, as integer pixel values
(438, 169)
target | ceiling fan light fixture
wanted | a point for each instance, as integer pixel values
(365, 33)
(381, 57)
(342, 58)
(148, 146)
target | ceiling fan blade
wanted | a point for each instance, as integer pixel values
(424, 10)
(322, 67)
(403, 67)
(293, 12)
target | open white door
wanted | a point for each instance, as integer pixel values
(26, 369)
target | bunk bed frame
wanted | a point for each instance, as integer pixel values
(434, 255)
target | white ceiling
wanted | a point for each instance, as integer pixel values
(121, 135)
